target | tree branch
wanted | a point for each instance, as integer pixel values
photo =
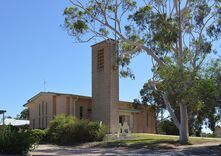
(169, 108)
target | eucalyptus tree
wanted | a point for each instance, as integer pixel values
(213, 72)
(203, 97)
(177, 34)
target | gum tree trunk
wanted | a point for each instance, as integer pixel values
(184, 129)
(182, 125)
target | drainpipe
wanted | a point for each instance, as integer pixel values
(74, 103)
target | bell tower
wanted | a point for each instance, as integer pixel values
(105, 83)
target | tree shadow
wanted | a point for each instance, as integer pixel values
(141, 143)
(203, 151)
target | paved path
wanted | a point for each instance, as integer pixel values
(195, 150)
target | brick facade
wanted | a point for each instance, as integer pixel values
(104, 105)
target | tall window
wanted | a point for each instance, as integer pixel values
(68, 105)
(147, 118)
(42, 108)
(54, 105)
(46, 122)
(33, 124)
(81, 112)
(39, 122)
(43, 125)
(39, 109)
(100, 60)
(46, 108)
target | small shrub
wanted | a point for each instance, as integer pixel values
(61, 129)
(15, 140)
(81, 131)
(96, 131)
(167, 127)
(69, 130)
(38, 134)
(211, 135)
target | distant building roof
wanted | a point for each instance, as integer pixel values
(15, 122)
(2, 111)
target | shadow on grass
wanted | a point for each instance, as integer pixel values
(141, 143)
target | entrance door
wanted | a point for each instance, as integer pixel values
(124, 118)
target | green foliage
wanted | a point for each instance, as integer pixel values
(153, 24)
(69, 130)
(39, 134)
(202, 96)
(15, 140)
(197, 91)
(96, 132)
(61, 129)
(24, 115)
(167, 127)
(211, 136)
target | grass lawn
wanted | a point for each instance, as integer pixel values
(143, 139)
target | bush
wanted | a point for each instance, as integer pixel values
(96, 131)
(69, 130)
(15, 140)
(61, 129)
(211, 135)
(167, 127)
(87, 131)
(38, 134)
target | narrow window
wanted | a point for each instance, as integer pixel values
(68, 105)
(39, 122)
(81, 112)
(33, 124)
(46, 108)
(39, 109)
(54, 105)
(43, 125)
(42, 106)
(147, 118)
(46, 122)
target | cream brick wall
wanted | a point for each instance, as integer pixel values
(105, 85)
(86, 104)
(139, 118)
(42, 120)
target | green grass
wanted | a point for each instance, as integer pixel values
(143, 140)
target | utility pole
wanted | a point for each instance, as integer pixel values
(3, 114)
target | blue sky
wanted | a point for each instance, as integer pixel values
(34, 48)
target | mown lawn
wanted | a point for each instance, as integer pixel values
(143, 139)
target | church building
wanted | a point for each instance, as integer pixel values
(104, 105)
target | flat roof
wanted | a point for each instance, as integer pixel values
(15, 122)
(109, 39)
(2, 111)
